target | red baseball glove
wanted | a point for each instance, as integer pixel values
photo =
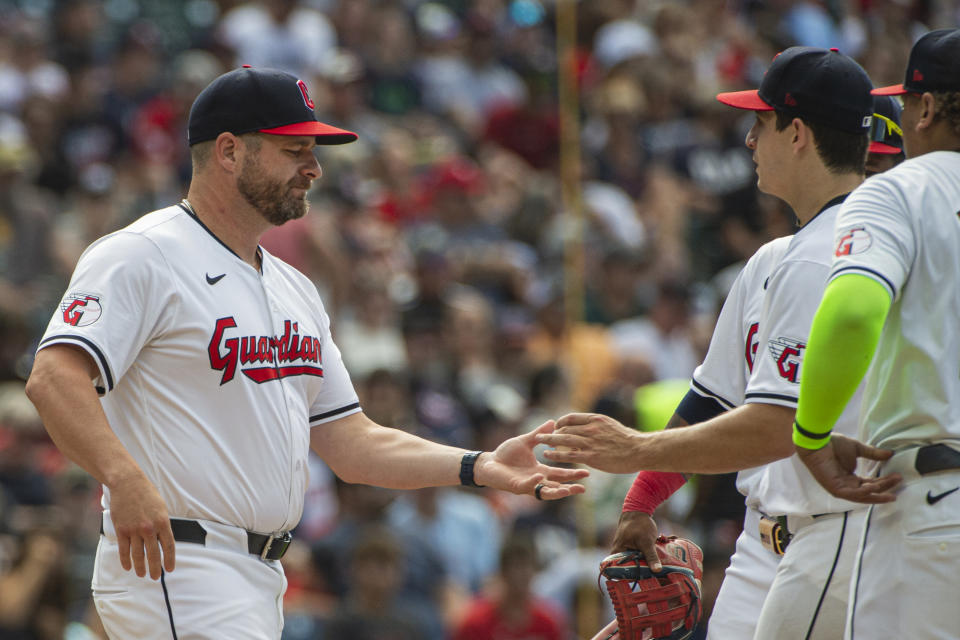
(655, 606)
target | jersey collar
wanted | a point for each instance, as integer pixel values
(186, 206)
(835, 201)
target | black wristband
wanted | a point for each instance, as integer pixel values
(466, 468)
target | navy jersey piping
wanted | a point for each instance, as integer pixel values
(716, 396)
(166, 599)
(826, 585)
(893, 291)
(330, 414)
(93, 347)
(772, 396)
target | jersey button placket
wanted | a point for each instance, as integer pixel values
(278, 318)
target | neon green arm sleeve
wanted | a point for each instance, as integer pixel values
(843, 338)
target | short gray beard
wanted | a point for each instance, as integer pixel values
(272, 200)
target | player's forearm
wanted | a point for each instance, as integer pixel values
(651, 488)
(61, 389)
(745, 437)
(360, 451)
(843, 338)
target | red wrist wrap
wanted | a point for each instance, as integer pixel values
(650, 489)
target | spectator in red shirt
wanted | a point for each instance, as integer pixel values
(510, 611)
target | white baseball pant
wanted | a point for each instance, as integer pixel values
(218, 590)
(905, 574)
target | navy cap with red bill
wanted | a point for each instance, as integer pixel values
(821, 85)
(934, 65)
(266, 100)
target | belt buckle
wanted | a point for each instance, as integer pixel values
(774, 535)
(282, 539)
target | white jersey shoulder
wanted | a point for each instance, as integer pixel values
(212, 372)
(724, 371)
(902, 228)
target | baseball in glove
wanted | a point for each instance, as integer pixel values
(655, 606)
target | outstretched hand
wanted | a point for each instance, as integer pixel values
(593, 439)
(833, 466)
(513, 467)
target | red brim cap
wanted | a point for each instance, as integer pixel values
(744, 100)
(892, 90)
(325, 133)
(884, 149)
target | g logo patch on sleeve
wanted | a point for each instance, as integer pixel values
(787, 353)
(852, 241)
(80, 309)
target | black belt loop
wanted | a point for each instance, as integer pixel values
(266, 546)
(936, 457)
(188, 531)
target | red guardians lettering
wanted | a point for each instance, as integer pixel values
(264, 358)
(750, 351)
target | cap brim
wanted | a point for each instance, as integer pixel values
(324, 133)
(892, 90)
(884, 149)
(744, 100)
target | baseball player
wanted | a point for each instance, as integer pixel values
(217, 373)
(886, 136)
(809, 142)
(893, 290)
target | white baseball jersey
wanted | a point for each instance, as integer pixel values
(902, 228)
(724, 372)
(212, 373)
(793, 295)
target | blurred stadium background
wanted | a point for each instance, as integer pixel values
(474, 291)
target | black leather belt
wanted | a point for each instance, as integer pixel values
(936, 457)
(259, 544)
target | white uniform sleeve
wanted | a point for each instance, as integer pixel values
(722, 374)
(874, 236)
(337, 397)
(792, 297)
(118, 299)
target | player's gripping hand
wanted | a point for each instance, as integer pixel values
(833, 466)
(637, 530)
(595, 440)
(144, 537)
(513, 467)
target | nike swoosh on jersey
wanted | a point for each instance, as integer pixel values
(214, 279)
(934, 499)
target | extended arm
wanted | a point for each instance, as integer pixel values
(61, 389)
(843, 339)
(744, 437)
(361, 451)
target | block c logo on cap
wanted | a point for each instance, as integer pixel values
(306, 96)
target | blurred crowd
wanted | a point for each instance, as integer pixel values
(439, 243)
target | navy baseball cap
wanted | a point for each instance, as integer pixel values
(886, 136)
(265, 100)
(820, 85)
(934, 65)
